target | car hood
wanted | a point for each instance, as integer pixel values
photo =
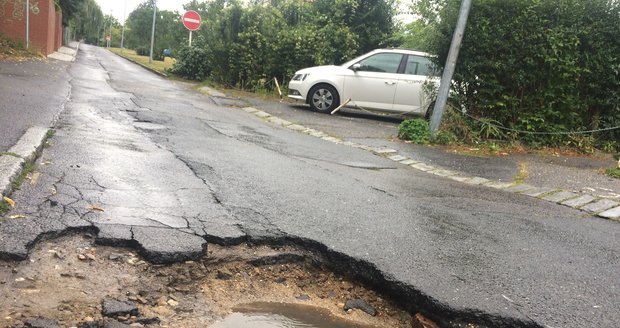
(323, 69)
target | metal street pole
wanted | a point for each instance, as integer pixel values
(27, 23)
(123, 30)
(153, 31)
(110, 41)
(448, 72)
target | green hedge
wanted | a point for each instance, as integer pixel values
(538, 65)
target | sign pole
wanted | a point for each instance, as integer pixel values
(191, 20)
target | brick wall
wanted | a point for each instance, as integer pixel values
(44, 23)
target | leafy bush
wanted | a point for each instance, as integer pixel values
(538, 66)
(158, 54)
(416, 130)
(244, 43)
(143, 51)
(192, 64)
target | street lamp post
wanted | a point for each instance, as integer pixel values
(110, 39)
(446, 78)
(123, 29)
(27, 23)
(153, 31)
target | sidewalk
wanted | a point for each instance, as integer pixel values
(33, 95)
(577, 182)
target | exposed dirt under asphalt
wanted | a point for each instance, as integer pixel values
(67, 279)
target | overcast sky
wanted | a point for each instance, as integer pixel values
(120, 7)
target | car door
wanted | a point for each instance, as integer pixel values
(411, 95)
(373, 82)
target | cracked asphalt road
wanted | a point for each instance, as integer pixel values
(173, 171)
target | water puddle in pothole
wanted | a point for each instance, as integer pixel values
(282, 315)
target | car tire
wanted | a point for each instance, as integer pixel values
(323, 98)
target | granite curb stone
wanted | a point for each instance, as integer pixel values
(613, 214)
(604, 207)
(26, 149)
(579, 201)
(560, 196)
(600, 206)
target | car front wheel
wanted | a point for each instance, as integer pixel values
(323, 98)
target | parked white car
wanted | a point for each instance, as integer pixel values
(383, 80)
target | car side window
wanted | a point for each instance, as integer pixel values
(418, 65)
(384, 63)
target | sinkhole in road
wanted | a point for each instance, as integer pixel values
(71, 280)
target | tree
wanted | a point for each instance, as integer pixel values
(85, 21)
(246, 44)
(539, 66)
(169, 31)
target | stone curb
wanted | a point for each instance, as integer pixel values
(601, 207)
(24, 151)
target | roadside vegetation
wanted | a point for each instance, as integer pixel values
(531, 74)
(161, 66)
(15, 50)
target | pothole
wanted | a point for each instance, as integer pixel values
(74, 283)
(283, 315)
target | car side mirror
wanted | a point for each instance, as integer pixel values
(356, 67)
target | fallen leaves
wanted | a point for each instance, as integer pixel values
(17, 216)
(9, 201)
(34, 177)
(96, 208)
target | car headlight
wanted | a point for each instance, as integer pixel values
(300, 77)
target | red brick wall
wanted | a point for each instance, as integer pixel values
(58, 29)
(43, 23)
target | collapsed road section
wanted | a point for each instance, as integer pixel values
(72, 282)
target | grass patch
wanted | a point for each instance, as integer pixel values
(615, 173)
(28, 168)
(4, 207)
(50, 134)
(523, 174)
(8, 153)
(157, 65)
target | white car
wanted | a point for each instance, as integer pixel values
(383, 80)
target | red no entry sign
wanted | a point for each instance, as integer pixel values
(191, 20)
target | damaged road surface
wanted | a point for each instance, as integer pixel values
(141, 162)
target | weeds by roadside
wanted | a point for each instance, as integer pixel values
(615, 172)
(4, 207)
(28, 168)
(485, 137)
(15, 50)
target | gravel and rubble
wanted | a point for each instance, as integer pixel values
(71, 282)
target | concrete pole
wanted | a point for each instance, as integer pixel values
(110, 41)
(448, 72)
(27, 24)
(153, 31)
(123, 29)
